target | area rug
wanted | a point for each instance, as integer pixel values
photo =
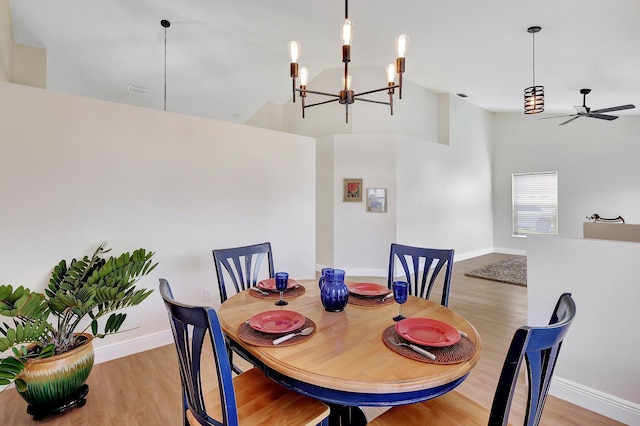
(511, 271)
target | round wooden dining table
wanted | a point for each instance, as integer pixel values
(346, 362)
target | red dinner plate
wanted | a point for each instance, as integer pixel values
(276, 321)
(368, 289)
(270, 284)
(427, 332)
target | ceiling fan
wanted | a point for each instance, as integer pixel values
(585, 111)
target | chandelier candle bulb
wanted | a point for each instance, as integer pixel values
(391, 73)
(346, 82)
(347, 32)
(294, 54)
(304, 76)
(402, 42)
(294, 50)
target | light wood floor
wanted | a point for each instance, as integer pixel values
(144, 389)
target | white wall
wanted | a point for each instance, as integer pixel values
(444, 191)
(76, 171)
(438, 195)
(598, 365)
(596, 163)
(362, 239)
(326, 199)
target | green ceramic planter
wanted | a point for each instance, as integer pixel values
(51, 381)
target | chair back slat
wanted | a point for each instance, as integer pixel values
(539, 347)
(190, 326)
(242, 265)
(424, 272)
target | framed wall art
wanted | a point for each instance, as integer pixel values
(352, 190)
(376, 200)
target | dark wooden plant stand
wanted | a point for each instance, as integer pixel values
(77, 399)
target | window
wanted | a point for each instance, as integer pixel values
(534, 204)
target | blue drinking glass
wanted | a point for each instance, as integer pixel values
(400, 294)
(282, 281)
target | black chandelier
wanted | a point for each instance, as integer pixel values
(347, 96)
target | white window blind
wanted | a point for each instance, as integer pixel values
(535, 203)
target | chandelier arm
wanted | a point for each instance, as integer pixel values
(373, 102)
(321, 103)
(314, 92)
(377, 90)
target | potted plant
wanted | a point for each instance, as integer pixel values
(57, 327)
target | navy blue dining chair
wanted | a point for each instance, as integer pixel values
(539, 346)
(249, 398)
(421, 267)
(242, 265)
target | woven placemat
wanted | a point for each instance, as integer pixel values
(454, 354)
(290, 293)
(258, 338)
(355, 299)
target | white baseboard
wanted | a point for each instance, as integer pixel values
(382, 272)
(471, 254)
(133, 346)
(608, 405)
(509, 251)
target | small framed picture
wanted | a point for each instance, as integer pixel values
(376, 200)
(352, 190)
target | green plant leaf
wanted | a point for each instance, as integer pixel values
(5, 291)
(11, 365)
(11, 336)
(47, 351)
(21, 385)
(4, 344)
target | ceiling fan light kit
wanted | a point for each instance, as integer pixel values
(534, 95)
(347, 95)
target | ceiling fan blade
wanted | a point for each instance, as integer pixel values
(557, 116)
(616, 108)
(603, 116)
(570, 120)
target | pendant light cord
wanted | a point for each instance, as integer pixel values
(165, 24)
(165, 69)
(534, 58)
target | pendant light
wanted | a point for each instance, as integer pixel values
(534, 95)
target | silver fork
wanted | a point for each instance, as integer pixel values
(262, 292)
(414, 348)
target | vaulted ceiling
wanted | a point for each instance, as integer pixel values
(225, 59)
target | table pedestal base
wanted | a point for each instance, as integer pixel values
(346, 415)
